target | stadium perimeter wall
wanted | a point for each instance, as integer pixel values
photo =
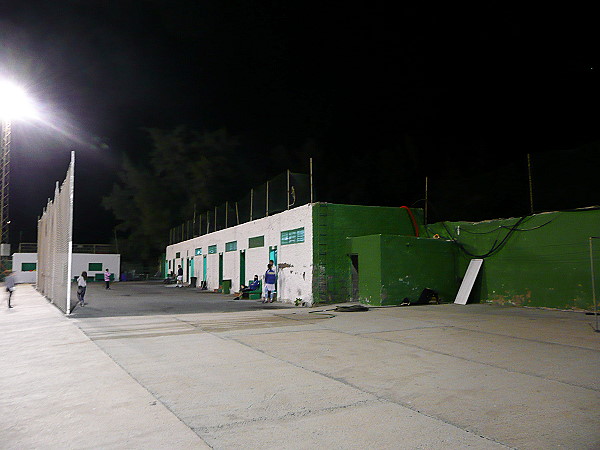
(545, 262)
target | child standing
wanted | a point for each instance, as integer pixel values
(81, 287)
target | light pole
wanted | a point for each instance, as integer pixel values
(14, 104)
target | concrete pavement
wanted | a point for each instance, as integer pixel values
(439, 376)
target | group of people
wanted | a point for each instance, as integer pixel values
(9, 282)
(270, 278)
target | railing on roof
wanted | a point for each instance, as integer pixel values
(31, 247)
(103, 249)
(287, 190)
(28, 247)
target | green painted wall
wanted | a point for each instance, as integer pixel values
(546, 263)
(368, 249)
(333, 224)
(392, 268)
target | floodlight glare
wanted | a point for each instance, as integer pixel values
(14, 102)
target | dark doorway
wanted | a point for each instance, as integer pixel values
(354, 276)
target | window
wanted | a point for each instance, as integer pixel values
(212, 249)
(178, 255)
(292, 236)
(95, 267)
(28, 267)
(231, 246)
(258, 241)
(198, 251)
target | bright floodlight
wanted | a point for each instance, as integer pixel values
(14, 102)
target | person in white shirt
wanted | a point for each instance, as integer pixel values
(81, 287)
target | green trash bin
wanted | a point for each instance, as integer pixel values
(226, 287)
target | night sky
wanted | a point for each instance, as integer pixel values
(469, 86)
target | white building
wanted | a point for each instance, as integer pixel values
(311, 245)
(25, 265)
(238, 253)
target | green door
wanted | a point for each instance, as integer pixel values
(273, 256)
(204, 268)
(220, 269)
(242, 267)
(192, 274)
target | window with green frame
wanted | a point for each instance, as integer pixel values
(257, 241)
(292, 236)
(198, 251)
(212, 249)
(95, 267)
(178, 255)
(28, 267)
(231, 246)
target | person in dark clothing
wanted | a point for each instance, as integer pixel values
(251, 287)
(180, 277)
(10, 285)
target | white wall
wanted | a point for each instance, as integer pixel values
(17, 260)
(80, 262)
(294, 260)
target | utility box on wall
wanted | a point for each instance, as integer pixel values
(392, 268)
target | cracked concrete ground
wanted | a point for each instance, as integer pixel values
(197, 370)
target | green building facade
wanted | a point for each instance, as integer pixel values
(372, 254)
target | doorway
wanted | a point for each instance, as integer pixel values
(273, 256)
(220, 269)
(242, 267)
(204, 268)
(354, 276)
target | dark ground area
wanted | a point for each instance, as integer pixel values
(155, 298)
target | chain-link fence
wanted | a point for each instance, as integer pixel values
(55, 243)
(518, 186)
(286, 190)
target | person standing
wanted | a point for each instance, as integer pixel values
(270, 281)
(81, 287)
(107, 278)
(10, 285)
(180, 277)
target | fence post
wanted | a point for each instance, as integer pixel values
(267, 215)
(311, 181)
(530, 183)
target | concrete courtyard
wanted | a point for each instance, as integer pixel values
(149, 366)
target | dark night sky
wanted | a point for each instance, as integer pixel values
(467, 82)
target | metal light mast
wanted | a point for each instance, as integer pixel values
(4, 180)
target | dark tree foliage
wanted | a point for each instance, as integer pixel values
(185, 169)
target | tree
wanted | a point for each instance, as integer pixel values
(185, 169)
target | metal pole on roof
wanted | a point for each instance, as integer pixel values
(426, 198)
(311, 181)
(288, 189)
(251, 202)
(530, 183)
(226, 212)
(593, 283)
(267, 215)
(215, 219)
(237, 213)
